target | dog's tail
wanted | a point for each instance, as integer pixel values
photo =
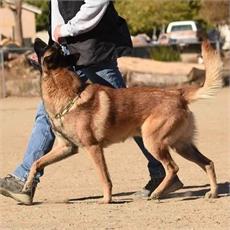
(213, 77)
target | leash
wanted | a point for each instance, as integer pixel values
(70, 104)
(67, 108)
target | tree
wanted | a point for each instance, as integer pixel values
(18, 22)
(143, 15)
(215, 11)
(16, 7)
(42, 20)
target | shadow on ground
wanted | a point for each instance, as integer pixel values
(191, 193)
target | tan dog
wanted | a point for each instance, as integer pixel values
(95, 116)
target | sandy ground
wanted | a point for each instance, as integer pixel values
(67, 196)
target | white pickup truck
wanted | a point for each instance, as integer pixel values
(181, 32)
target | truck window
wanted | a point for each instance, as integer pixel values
(181, 28)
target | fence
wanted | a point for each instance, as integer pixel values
(2, 75)
(143, 52)
(4, 52)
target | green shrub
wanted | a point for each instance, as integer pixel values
(165, 53)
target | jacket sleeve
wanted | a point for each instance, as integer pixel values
(56, 17)
(86, 19)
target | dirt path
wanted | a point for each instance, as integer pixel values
(68, 193)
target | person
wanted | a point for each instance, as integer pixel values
(95, 35)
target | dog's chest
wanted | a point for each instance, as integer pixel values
(66, 130)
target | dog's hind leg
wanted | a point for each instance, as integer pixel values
(161, 153)
(190, 152)
(97, 155)
(63, 150)
(155, 134)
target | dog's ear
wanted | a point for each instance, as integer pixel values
(39, 47)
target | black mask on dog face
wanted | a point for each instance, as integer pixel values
(52, 56)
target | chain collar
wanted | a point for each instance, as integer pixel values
(67, 108)
(70, 104)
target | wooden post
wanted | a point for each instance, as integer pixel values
(2, 75)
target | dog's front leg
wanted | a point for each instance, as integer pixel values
(63, 150)
(96, 153)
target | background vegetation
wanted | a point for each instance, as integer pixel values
(42, 19)
(143, 15)
(165, 53)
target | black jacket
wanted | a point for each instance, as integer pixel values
(109, 39)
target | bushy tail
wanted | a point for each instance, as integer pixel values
(213, 77)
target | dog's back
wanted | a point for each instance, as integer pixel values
(123, 113)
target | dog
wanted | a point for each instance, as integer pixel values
(94, 116)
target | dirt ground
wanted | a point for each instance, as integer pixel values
(67, 196)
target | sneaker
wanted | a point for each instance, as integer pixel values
(154, 183)
(12, 187)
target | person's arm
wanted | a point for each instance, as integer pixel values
(86, 19)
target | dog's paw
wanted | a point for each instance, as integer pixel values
(105, 201)
(211, 195)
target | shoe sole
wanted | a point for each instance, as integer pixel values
(20, 197)
(172, 188)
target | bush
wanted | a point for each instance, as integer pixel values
(165, 53)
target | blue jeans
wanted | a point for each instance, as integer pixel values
(42, 137)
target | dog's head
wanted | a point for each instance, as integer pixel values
(49, 57)
(55, 65)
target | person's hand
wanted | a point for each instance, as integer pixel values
(57, 33)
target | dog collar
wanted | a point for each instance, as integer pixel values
(67, 108)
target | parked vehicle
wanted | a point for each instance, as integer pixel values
(181, 32)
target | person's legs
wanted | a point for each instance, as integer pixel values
(40, 143)
(106, 74)
(155, 168)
